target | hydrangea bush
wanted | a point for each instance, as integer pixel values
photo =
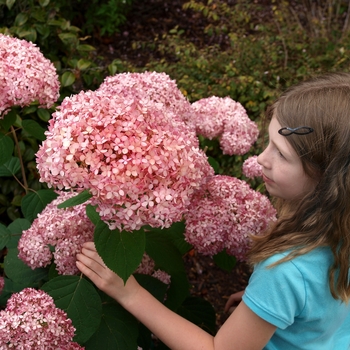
(121, 165)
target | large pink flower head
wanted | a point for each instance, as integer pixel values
(65, 229)
(158, 87)
(135, 157)
(224, 212)
(31, 321)
(227, 120)
(25, 75)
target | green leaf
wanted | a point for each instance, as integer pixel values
(8, 120)
(16, 228)
(5, 236)
(118, 329)
(34, 129)
(80, 198)
(122, 251)
(6, 148)
(44, 114)
(28, 34)
(92, 214)
(44, 3)
(83, 64)
(34, 202)
(21, 19)
(199, 312)
(86, 48)
(10, 3)
(156, 287)
(167, 257)
(214, 164)
(225, 261)
(18, 271)
(67, 79)
(10, 168)
(80, 300)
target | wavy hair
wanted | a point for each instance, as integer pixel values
(322, 217)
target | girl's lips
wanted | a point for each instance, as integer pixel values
(266, 179)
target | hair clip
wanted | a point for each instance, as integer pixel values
(300, 130)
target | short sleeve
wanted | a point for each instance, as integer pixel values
(276, 294)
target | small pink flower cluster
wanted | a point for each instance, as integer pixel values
(227, 120)
(65, 229)
(25, 75)
(135, 156)
(251, 168)
(147, 266)
(31, 321)
(224, 213)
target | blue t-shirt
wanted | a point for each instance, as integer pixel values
(295, 297)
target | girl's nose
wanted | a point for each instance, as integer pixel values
(263, 159)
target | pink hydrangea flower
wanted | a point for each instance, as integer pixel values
(31, 321)
(158, 87)
(65, 229)
(224, 213)
(147, 267)
(251, 168)
(135, 156)
(25, 75)
(223, 118)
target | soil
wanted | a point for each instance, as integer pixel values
(146, 21)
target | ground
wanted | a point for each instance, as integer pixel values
(146, 20)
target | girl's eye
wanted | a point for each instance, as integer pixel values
(281, 155)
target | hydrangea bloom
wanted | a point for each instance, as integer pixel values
(65, 229)
(226, 119)
(158, 87)
(251, 168)
(135, 157)
(25, 75)
(147, 267)
(224, 213)
(31, 321)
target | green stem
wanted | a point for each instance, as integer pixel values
(25, 184)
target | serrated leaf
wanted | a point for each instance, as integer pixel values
(225, 261)
(34, 129)
(6, 148)
(199, 312)
(92, 214)
(80, 198)
(67, 79)
(16, 228)
(5, 236)
(122, 251)
(18, 271)
(156, 287)
(44, 114)
(80, 300)
(34, 202)
(118, 329)
(10, 168)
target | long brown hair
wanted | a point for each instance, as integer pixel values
(322, 217)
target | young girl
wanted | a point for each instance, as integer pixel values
(298, 295)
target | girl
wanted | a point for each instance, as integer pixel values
(298, 295)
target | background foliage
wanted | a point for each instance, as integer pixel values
(250, 52)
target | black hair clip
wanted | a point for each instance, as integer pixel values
(300, 130)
